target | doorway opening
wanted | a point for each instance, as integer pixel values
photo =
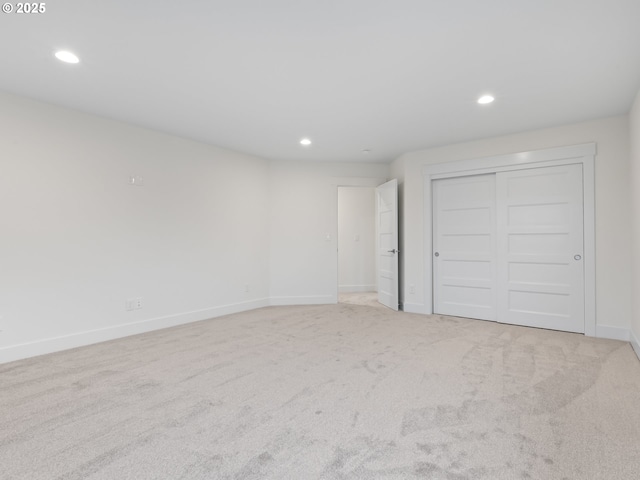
(357, 267)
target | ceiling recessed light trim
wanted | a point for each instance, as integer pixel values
(66, 56)
(486, 99)
(305, 142)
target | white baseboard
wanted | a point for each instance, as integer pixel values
(635, 343)
(414, 308)
(56, 344)
(306, 300)
(613, 333)
(356, 288)
(65, 342)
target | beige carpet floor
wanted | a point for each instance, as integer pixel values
(368, 299)
(326, 392)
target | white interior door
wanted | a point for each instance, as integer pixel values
(540, 247)
(387, 243)
(464, 246)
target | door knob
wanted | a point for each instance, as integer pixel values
(436, 254)
(393, 251)
(577, 257)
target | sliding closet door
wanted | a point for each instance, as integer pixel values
(540, 247)
(464, 226)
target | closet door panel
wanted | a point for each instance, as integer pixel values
(464, 246)
(540, 248)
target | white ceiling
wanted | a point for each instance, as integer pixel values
(390, 76)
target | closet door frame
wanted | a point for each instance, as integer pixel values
(576, 154)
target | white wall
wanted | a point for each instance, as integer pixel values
(634, 128)
(613, 196)
(77, 240)
(304, 206)
(356, 239)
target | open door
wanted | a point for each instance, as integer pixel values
(387, 243)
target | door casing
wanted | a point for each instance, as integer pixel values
(332, 231)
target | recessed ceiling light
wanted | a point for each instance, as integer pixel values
(67, 57)
(483, 100)
(305, 141)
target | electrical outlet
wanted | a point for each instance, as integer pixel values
(136, 180)
(133, 304)
(412, 288)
